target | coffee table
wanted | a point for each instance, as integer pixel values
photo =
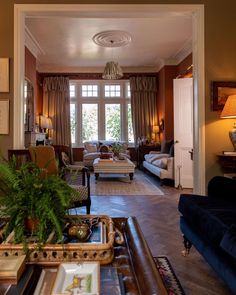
(133, 261)
(110, 166)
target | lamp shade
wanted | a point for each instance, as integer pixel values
(156, 129)
(112, 71)
(229, 110)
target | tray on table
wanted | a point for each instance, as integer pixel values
(54, 253)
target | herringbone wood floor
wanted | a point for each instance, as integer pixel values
(158, 217)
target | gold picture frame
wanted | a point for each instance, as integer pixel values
(220, 91)
(4, 116)
(4, 74)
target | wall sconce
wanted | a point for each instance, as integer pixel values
(161, 124)
(229, 112)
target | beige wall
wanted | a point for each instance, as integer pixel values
(220, 62)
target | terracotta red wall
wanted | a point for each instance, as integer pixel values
(165, 94)
(30, 67)
(35, 78)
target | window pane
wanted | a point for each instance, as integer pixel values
(89, 90)
(130, 126)
(89, 122)
(72, 122)
(112, 90)
(128, 91)
(113, 127)
(72, 90)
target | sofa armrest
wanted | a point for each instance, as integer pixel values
(85, 152)
(222, 187)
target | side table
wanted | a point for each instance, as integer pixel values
(144, 149)
(228, 164)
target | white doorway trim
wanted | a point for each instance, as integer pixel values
(83, 10)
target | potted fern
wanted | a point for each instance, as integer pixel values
(27, 194)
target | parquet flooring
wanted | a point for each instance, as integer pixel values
(158, 218)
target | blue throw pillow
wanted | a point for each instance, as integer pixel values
(228, 242)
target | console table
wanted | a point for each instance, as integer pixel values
(144, 149)
(228, 164)
(133, 260)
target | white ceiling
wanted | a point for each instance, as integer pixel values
(64, 43)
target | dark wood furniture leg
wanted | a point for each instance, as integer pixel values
(131, 176)
(96, 176)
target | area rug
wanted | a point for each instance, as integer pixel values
(168, 276)
(115, 185)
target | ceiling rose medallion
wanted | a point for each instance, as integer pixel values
(112, 39)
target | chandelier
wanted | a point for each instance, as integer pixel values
(112, 70)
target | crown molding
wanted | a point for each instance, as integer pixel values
(32, 44)
(183, 52)
(55, 69)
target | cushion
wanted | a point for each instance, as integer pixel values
(166, 145)
(161, 163)
(91, 156)
(65, 158)
(228, 243)
(171, 151)
(91, 147)
(152, 157)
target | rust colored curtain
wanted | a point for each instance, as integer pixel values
(143, 105)
(56, 105)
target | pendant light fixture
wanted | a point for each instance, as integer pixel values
(112, 39)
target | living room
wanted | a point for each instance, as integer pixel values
(212, 167)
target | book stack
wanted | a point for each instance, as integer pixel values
(11, 268)
(110, 160)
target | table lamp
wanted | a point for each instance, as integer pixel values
(156, 130)
(228, 112)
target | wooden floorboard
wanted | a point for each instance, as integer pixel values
(158, 217)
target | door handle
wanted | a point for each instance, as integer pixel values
(191, 154)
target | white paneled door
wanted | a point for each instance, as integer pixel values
(183, 132)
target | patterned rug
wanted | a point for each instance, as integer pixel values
(168, 276)
(117, 185)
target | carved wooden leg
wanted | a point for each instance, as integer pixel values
(187, 246)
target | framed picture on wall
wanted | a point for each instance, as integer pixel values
(220, 92)
(4, 74)
(4, 116)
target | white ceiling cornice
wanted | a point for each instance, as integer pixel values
(32, 44)
(53, 69)
(183, 52)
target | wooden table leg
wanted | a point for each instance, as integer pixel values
(131, 176)
(96, 176)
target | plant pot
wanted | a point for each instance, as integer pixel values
(31, 224)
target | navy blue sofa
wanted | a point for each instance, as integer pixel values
(209, 223)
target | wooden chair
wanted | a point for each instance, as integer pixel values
(44, 157)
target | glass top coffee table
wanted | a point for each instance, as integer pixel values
(113, 166)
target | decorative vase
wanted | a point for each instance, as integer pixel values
(232, 136)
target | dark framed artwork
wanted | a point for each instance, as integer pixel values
(220, 92)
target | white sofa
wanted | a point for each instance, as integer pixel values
(92, 150)
(160, 164)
